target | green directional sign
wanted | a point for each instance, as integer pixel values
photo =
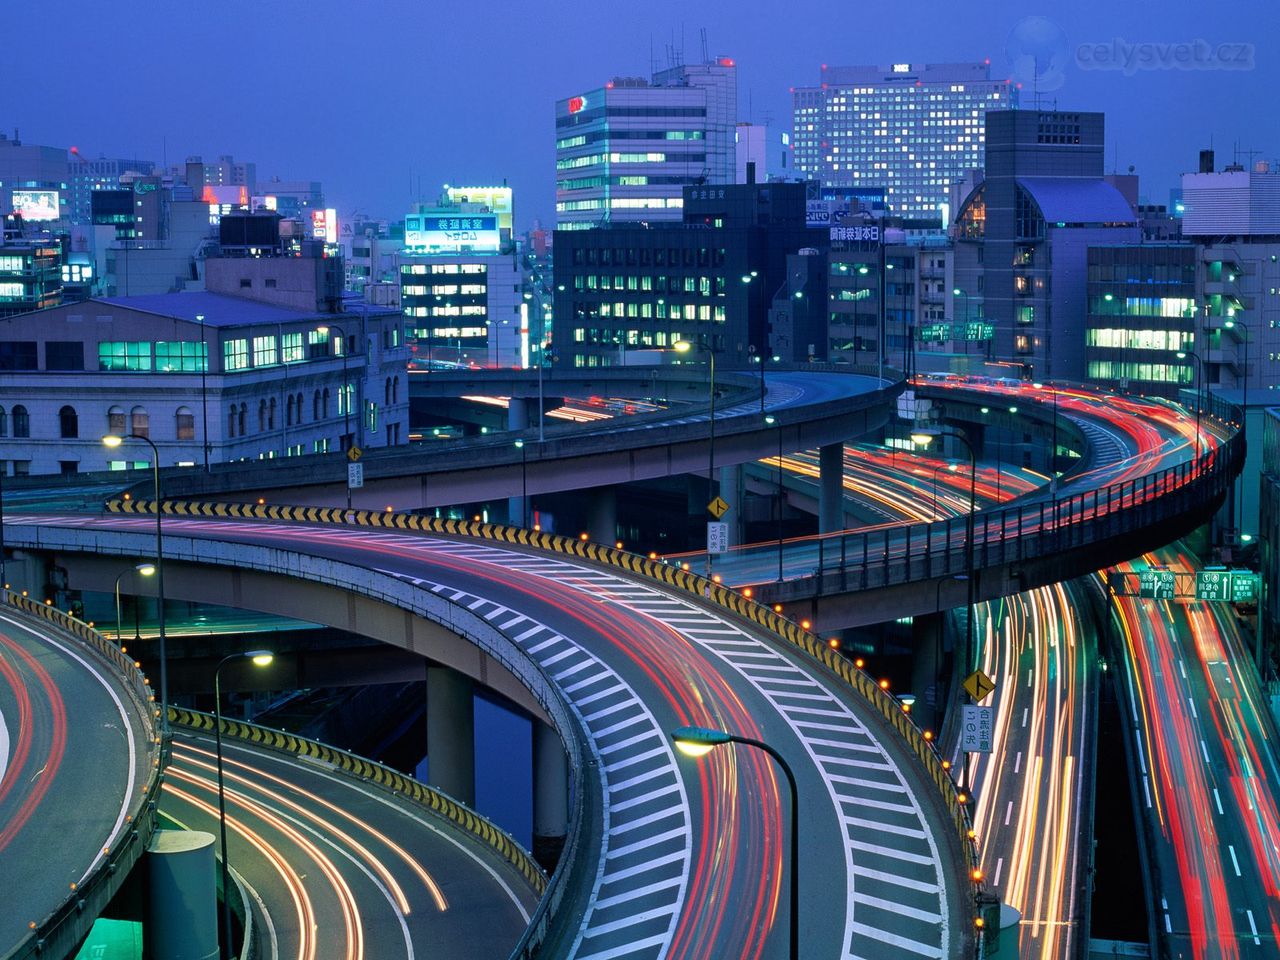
(1213, 584)
(1157, 584)
(1244, 586)
(977, 330)
(935, 332)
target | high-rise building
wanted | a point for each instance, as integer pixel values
(625, 151)
(910, 128)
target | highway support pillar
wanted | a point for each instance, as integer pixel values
(927, 638)
(831, 488)
(550, 795)
(182, 912)
(517, 413)
(731, 492)
(451, 734)
(602, 515)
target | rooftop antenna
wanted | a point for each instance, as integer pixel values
(706, 55)
(653, 63)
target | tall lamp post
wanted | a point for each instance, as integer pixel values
(111, 441)
(698, 742)
(1244, 416)
(146, 570)
(684, 346)
(204, 391)
(771, 420)
(1053, 457)
(260, 658)
(924, 438)
(1198, 368)
(346, 393)
(524, 485)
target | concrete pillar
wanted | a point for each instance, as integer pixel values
(602, 515)
(517, 413)
(182, 912)
(927, 641)
(731, 491)
(831, 488)
(550, 795)
(451, 734)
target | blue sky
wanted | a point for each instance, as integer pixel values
(373, 97)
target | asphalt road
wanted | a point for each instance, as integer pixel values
(1207, 775)
(336, 868)
(74, 762)
(696, 856)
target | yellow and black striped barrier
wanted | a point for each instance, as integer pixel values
(664, 573)
(435, 801)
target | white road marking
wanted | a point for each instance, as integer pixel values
(1234, 862)
(1253, 928)
(1008, 812)
(1217, 800)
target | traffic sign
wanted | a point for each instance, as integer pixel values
(1213, 584)
(355, 475)
(1157, 584)
(718, 507)
(976, 724)
(978, 685)
(354, 453)
(1244, 586)
(717, 537)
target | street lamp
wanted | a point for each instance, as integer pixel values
(1244, 413)
(684, 346)
(111, 441)
(924, 438)
(698, 742)
(346, 393)
(1053, 458)
(1198, 373)
(770, 420)
(259, 658)
(146, 570)
(524, 485)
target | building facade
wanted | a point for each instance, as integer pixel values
(625, 151)
(912, 129)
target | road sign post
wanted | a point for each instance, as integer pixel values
(1244, 586)
(1213, 584)
(1157, 584)
(976, 725)
(717, 537)
(355, 475)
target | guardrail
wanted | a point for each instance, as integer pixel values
(1023, 531)
(861, 683)
(435, 801)
(58, 934)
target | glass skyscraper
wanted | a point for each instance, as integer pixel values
(626, 151)
(911, 129)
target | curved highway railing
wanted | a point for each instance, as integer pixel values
(58, 934)
(431, 799)
(793, 635)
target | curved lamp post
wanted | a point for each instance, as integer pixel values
(260, 658)
(111, 441)
(144, 569)
(698, 742)
(684, 346)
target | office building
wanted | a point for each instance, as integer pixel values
(630, 291)
(292, 199)
(30, 275)
(461, 287)
(1022, 237)
(911, 129)
(626, 151)
(88, 176)
(267, 363)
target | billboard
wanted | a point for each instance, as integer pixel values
(36, 204)
(434, 234)
(324, 225)
(497, 199)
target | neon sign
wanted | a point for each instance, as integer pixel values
(576, 104)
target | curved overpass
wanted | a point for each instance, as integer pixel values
(77, 771)
(670, 859)
(1141, 485)
(342, 858)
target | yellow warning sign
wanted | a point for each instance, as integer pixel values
(354, 453)
(978, 685)
(718, 507)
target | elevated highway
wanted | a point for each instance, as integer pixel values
(662, 858)
(78, 772)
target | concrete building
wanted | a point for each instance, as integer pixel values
(625, 151)
(634, 289)
(30, 276)
(265, 364)
(1022, 236)
(910, 128)
(767, 149)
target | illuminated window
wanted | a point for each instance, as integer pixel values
(291, 350)
(264, 351)
(235, 355)
(181, 356)
(124, 355)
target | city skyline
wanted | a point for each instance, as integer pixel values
(379, 158)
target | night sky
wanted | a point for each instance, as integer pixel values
(376, 96)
